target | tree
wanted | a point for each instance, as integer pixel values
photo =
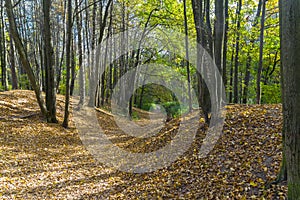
(187, 56)
(24, 58)
(2, 52)
(48, 63)
(219, 40)
(81, 67)
(203, 32)
(237, 53)
(261, 53)
(68, 63)
(225, 45)
(290, 47)
(249, 57)
(13, 65)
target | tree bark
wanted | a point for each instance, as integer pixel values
(203, 39)
(225, 45)
(187, 57)
(3, 52)
(13, 65)
(237, 51)
(68, 63)
(261, 53)
(48, 63)
(80, 57)
(290, 48)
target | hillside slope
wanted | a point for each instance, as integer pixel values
(40, 160)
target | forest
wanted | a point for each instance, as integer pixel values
(155, 99)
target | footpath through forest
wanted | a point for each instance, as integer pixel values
(45, 161)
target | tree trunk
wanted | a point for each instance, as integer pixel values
(3, 52)
(68, 63)
(225, 45)
(13, 65)
(203, 38)
(249, 57)
(237, 51)
(80, 58)
(290, 48)
(218, 43)
(48, 63)
(187, 57)
(261, 53)
(73, 66)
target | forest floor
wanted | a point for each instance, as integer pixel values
(45, 161)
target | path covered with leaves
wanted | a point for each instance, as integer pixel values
(44, 161)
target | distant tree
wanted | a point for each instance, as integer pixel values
(3, 51)
(80, 52)
(249, 57)
(290, 48)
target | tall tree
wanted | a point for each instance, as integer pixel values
(237, 53)
(249, 56)
(225, 45)
(204, 39)
(261, 53)
(13, 65)
(219, 41)
(68, 63)
(48, 63)
(290, 48)
(187, 56)
(2, 51)
(81, 67)
(219, 33)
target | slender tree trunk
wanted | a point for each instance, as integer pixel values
(3, 52)
(93, 76)
(249, 57)
(187, 57)
(225, 45)
(68, 63)
(73, 65)
(219, 31)
(231, 77)
(80, 57)
(261, 54)
(13, 65)
(290, 48)
(59, 67)
(237, 54)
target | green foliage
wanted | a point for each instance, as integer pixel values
(135, 116)
(24, 82)
(271, 94)
(173, 109)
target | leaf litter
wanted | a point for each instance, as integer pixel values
(45, 161)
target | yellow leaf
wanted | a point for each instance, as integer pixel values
(252, 183)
